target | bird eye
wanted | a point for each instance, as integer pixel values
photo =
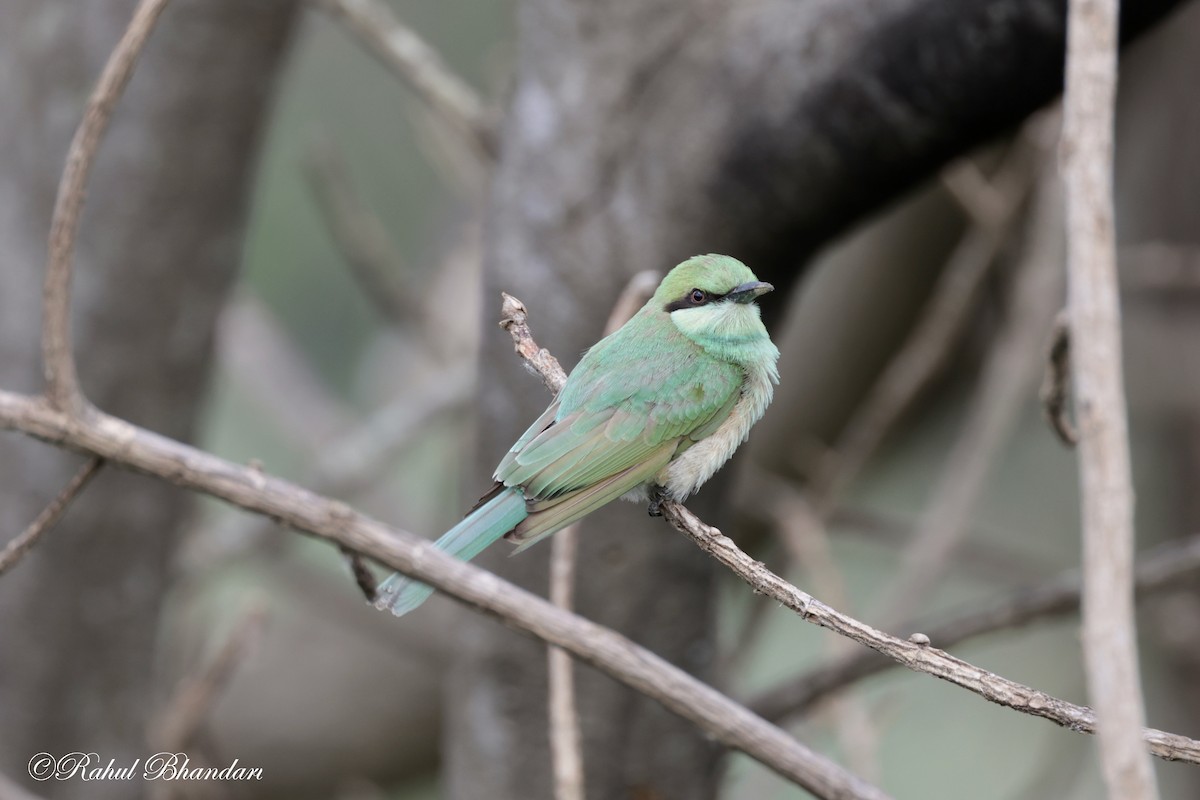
(699, 296)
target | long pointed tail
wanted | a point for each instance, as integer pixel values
(467, 539)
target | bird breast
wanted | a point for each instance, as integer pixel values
(687, 473)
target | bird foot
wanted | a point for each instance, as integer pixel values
(656, 500)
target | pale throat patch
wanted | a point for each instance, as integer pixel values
(719, 319)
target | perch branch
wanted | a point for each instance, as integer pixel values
(411, 58)
(143, 451)
(1160, 569)
(15, 550)
(62, 381)
(1105, 481)
(917, 655)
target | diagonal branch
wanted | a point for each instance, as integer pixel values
(916, 654)
(62, 381)
(141, 450)
(1160, 569)
(15, 550)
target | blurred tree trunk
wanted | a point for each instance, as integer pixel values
(159, 247)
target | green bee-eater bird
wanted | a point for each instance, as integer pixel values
(660, 404)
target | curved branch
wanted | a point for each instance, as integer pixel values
(126, 445)
(916, 654)
(62, 382)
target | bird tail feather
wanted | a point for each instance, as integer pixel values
(400, 594)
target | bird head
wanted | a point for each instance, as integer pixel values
(711, 298)
(708, 280)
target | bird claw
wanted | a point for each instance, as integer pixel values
(656, 501)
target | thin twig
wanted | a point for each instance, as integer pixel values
(141, 450)
(344, 468)
(915, 655)
(1056, 382)
(196, 695)
(62, 381)
(15, 550)
(1160, 569)
(566, 744)
(1106, 486)
(400, 49)
(514, 318)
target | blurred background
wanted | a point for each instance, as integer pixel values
(292, 256)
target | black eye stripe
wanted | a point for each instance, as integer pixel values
(687, 302)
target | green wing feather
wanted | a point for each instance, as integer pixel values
(635, 399)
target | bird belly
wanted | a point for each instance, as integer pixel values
(687, 473)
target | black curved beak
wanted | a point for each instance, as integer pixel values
(748, 292)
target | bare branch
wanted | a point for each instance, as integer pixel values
(195, 696)
(1056, 382)
(515, 319)
(1160, 569)
(566, 745)
(1109, 629)
(141, 450)
(400, 49)
(805, 536)
(915, 655)
(15, 550)
(62, 381)
(343, 469)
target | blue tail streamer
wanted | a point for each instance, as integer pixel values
(400, 594)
